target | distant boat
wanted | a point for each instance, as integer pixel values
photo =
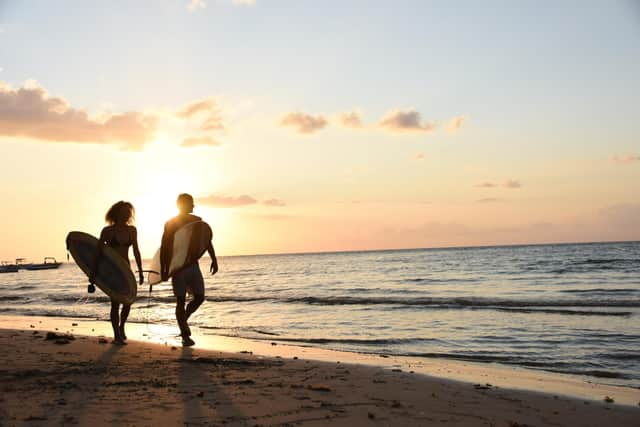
(6, 267)
(49, 264)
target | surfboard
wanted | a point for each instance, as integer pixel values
(190, 242)
(113, 276)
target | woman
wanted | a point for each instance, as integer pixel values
(120, 235)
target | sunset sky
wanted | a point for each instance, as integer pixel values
(321, 125)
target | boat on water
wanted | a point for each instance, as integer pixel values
(49, 263)
(7, 267)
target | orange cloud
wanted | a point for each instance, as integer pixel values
(29, 112)
(454, 124)
(226, 201)
(304, 123)
(489, 200)
(200, 141)
(209, 107)
(625, 160)
(405, 121)
(351, 119)
(419, 156)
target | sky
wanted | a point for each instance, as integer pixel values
(306, 126)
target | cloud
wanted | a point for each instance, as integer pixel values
(419, 156)
(196, 4)
(489, 200)
(304, 123)
(454, 124)
(200, 141)
(29, 112)
(274, 203)
(405, 121)
(626, 159)
(512, 183)
(226, 201)
(197, 107)
(351, 119)
(208, 108)
(486, 184)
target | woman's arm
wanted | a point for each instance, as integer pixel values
(101, 242)
(136, 253)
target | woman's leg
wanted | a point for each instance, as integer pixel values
(115, 320)
(123, 318)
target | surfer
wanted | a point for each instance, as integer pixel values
(120, 235)
(188, 279)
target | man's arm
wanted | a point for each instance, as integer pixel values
(214, 260)
(165, 252)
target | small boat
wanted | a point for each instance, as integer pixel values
(6, 267)
(48, 264)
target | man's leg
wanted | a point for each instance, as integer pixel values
(181, 316)
(193, 305)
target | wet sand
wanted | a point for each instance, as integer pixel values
(85, 380)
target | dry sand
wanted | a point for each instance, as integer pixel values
(83, 381)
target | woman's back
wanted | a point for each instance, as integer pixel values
(119, 237)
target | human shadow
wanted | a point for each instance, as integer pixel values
(203, 398)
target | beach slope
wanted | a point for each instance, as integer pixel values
(87, 381)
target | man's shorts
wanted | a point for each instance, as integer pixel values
(188, 280)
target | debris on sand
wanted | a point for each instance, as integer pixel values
(318, 387)
(52, 336)
(609, 399)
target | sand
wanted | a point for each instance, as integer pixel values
(85, 380)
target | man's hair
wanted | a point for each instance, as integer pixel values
(185, 202)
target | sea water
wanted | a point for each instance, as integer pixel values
(570, 308)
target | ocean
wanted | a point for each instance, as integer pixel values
(569, 308)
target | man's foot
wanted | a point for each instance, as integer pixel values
(118, 341)
(187, 342)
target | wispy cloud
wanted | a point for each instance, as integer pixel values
(351, 119)
(405, 121)
(512, 183)
(197, 107)
(454, 124)
(274, 203)
(486, 184)
(196, 4)
(626, 159)
(218, 201)
(29, 112)
(244, 2)
(207, 110)
(200, 141)
(226, 201)
(419, 156)
(304, 123)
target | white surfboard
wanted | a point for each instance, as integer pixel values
(190, 242)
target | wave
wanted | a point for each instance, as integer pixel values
(599, 290)
(540, 305)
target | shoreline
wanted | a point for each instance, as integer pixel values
(516, 378)
(86, 381)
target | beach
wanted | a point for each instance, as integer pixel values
(77, 377)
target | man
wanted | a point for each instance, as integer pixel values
(190, 278)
